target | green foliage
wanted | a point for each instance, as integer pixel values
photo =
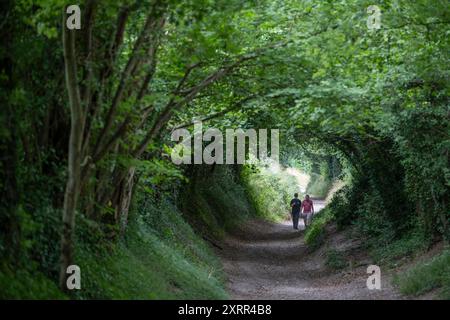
(27, 283)
(156, 171)
(319, 185)
(335, 260)
(270, 190)
(315, 233)
(426, 276)
(161, 257)
(423, 141)
(343, 205)
(148, 266)
(372, 219)
(372, 105)
(394, 253)
(216, 201)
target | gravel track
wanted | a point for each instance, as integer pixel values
(266, 260)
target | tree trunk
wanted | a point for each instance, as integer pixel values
(74, 160)
(126, 194)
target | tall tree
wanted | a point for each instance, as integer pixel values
(72, 192)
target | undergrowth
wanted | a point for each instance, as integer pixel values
(427, 276)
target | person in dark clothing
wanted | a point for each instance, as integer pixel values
(296, 204)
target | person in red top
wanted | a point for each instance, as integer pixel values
(307, 210)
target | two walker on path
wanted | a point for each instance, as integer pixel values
(303, 209)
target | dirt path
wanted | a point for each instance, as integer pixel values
(270, 261)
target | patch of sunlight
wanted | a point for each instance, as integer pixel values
(274, 167)
(301, 177)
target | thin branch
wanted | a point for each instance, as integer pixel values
(235, 106)
(126, 74)
(110, 57)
